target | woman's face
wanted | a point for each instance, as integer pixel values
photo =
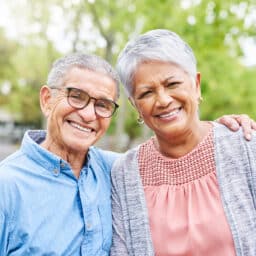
(166, 97)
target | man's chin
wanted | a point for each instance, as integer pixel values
(83, 145)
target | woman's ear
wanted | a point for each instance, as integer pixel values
(45, 100)
(139, 120)
(198, 80)
(198, 85)
(132, 101)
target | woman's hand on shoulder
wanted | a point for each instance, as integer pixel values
(233, 122)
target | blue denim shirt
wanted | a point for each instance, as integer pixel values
(46, 210)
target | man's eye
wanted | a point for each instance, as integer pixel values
(75, 95)
(103, 104)
(73, 92)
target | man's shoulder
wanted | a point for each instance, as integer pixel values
(104, 154)
(12, 168)
(12, 161)
(10, 174)
(104, 157)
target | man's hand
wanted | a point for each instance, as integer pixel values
(233, 122)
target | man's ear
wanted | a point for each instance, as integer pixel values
(45, 100)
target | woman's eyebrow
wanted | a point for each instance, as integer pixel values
(167, 79)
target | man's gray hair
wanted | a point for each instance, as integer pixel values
(91, 62)
(158, 44)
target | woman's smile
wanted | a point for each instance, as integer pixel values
(173, 113)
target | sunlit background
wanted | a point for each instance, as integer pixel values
(34, 33)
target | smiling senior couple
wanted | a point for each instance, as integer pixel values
(166, 193)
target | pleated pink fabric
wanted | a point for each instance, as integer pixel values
(185, 210)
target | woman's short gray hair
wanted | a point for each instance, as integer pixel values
(158, 44)
(91, 62)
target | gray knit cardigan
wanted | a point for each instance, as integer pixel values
(235, 160)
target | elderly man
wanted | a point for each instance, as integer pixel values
(55, 190)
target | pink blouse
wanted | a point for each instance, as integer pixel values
(185, 210)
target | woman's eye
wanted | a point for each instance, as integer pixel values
(172, 84)
(144, 94)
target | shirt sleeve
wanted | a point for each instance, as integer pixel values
(3, 234)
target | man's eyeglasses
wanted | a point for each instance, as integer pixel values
(79, 99)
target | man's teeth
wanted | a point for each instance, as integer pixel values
(170, 114)
(81, 128)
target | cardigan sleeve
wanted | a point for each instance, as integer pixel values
(251, 149)
(131, 231)
(119, 247)
(235, 160)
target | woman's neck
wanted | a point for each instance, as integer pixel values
(180, 145)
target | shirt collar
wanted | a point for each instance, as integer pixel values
(53, 163)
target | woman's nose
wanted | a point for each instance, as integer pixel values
(164, 98)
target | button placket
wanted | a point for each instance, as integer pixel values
(84, 203)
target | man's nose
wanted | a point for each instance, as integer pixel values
(88, 112)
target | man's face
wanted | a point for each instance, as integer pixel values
(70, 129)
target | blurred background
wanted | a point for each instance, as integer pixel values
(34, 33)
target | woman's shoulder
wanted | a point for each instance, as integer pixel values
(126, 165)
(127, 157)
(222, 132)
(233, 143)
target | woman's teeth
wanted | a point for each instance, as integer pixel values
(170, 114)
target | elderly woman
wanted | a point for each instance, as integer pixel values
(191, 188)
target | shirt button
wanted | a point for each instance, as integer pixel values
(55, 171)
(88, 225)
(62, 165)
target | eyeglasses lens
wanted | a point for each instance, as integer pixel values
(80, 99)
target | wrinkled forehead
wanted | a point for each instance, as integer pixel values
(74, 73)
(103, 77)
(91, 81)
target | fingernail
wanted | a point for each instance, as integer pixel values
(248, 136)
(235, 126)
